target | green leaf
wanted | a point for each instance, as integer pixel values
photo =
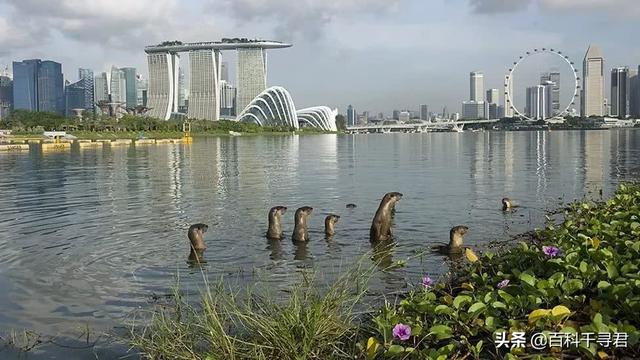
(490, 323)
(441, 331)
(498, 305)
(528, 278)
(583, 267)
(442, 309)
(612, 271)
(460, 300)
(603, 284)
(477, 308)
(395, 349)
(538, 314)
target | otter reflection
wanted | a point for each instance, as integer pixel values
(275, 248)
(198, 246)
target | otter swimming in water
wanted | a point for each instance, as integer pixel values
(330, 224)
(456, 241)
(381, 224)
(301, 230)
(507, 204)
(351, 206)
(196, 237)
(275, 222)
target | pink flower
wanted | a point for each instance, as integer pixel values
(402, 332)
(427, 282)
(551, 251)
(503, 284)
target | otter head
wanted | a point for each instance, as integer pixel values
(392, 198)
(277, 211)
(456, 236)
(196, 236)
(351, 206)
(303, 212)
(506, 204)
(329, 224)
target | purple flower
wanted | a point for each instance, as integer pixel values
(551, 251)
(402, 332)
(503, 284)
(427, 281)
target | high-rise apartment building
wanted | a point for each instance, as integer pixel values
(634, 92)
(424, 112)
(100, 88)
(620, 89)
(351, 116)
(118, 86)
(6, 96)
(592, 99)
(552, 81)
(537, 102)
(86, 76)
(476, 86)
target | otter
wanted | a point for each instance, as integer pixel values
(507, 204)
(196, 237)
(301, 230)
(330, 224)
(351, 206)
(456, 241)
(275, 224)
(381, 225)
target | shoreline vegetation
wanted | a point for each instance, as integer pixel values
(33, 124)
(578, 277)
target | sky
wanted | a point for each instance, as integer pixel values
(378, 55)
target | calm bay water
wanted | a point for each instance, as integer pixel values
(88, 236)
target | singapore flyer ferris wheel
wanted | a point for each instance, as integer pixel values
(508, 86)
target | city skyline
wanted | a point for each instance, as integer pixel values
(349, 34)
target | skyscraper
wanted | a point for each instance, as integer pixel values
(592, 99)
(537, 102)
(552, 79)
(74, 96)
(424, 112)
(118, 86)
(38, 86)
(251, 75)
(204, 88)
(162, 95)
(100, 88)
(224, 71)
(86, 76)
(492, 101)
(141, 90)
(634, 93)
(351, 116)
(227, 99)
(508, 97)
(6, 96)
(182, 89)
(131, 92)
(476, 86)
(620, 89)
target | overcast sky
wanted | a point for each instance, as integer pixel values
(378, 55)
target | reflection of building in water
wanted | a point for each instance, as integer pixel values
(541, 163)
(508, 161)
(594, 158)
(622, 165)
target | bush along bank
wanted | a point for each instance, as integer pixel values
(572, 292)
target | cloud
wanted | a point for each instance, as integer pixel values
(301, 18)
(498, 6)
(623, 7)
(115, 23)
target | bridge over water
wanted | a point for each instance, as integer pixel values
(418, 127)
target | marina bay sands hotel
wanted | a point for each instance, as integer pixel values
(205, 75)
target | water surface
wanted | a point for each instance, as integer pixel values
(90, 235)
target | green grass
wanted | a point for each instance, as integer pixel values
(310, 322)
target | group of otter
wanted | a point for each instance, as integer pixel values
(380, 227)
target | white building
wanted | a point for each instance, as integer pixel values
(101, 88)
(537, 102)
(204, 88)
(476, 86)
(251, 75)
(473, 110)
(162, 96)
(592, 98)
(118, 86)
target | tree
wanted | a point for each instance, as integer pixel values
(341, 122)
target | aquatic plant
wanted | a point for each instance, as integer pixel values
(579, 277)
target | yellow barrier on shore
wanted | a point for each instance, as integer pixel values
(144, 142)
(121, 142)
(104, 141)
(89, 144)
(163, 141)
(34, 141)
(14, 147)
(59, 146)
